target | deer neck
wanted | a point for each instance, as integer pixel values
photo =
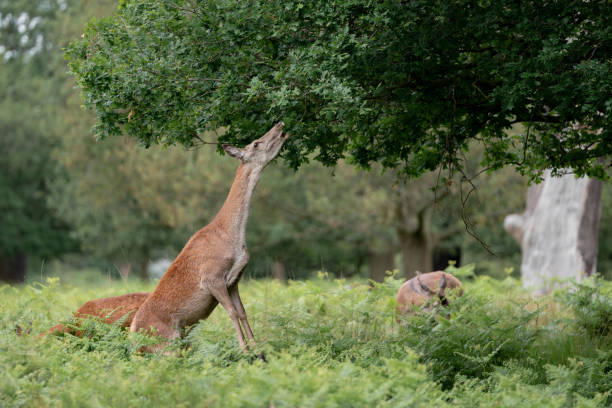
(233, 216)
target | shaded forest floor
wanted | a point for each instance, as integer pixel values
(332, 343)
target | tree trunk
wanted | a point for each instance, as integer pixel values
(124, 269)
(13, 268)
(358, 263)
(380, 263)
(417, 254)
(143, 269)
(417, 246)
(279, 271)
(558, 230)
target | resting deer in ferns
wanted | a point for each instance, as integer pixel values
(109, 310)
(206, 272)
(417, 291)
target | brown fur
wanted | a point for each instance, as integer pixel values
(418, 290)
(207, 270)
(108, 310)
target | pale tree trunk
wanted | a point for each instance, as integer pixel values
(13, 268)
(279, 271)
(417, 245)
(558, 230)
(380, 263)
(125, 269)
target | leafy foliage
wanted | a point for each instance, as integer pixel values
(329, 343)
(30, 89)
(587, 376)
(404, 83)
(591, 303)
(27, 28)
(35, 112)
(604, 256)
(130, 204)
(479, 338)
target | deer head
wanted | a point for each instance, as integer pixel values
(261, 151)
(441, 295)
(421, 291)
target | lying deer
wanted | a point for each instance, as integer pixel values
(423, 287)
(108, 310)
(206, 272)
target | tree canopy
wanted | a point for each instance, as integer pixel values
(406, 83)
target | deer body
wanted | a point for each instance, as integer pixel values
(207, 271)
(418, 290)
(109, 310)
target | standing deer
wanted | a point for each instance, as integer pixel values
(418, 290)
(206, 272)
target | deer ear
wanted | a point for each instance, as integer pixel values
(233, 151)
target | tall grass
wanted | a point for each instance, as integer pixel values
(329, 343)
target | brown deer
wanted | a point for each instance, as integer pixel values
(206, 272)
(418, 290)
(108, 310)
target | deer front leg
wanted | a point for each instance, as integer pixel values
(235, 296)
(221, 293)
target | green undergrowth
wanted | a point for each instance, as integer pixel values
(329, 343)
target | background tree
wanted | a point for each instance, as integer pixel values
(29, 227)
(400, 83)
(554, 250)
(375, 214)
(495, 194)
(604, 259)
(410, 85)
(386, 82)
(31, 85)
(131, 205)
(385, 214)
(290, 234)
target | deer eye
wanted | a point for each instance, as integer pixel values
(255, 145)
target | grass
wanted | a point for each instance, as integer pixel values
(331, 343)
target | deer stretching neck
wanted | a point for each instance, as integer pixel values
(234, 213)
(206, 272)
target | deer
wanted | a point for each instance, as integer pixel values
(108, 310)
(417, 291)
(207, 270)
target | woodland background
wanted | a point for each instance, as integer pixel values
(82, 219)
(68, 201)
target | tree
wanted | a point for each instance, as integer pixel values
(403, 83)
(495, 195)
(341, 213)
(31, 80)
(292, 232)
(375, 214)
(130, 205)
(29, 226)
(28, 28)
(573, 251)
(385, 214)
(604, 261)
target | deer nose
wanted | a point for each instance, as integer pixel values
(280, 124)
